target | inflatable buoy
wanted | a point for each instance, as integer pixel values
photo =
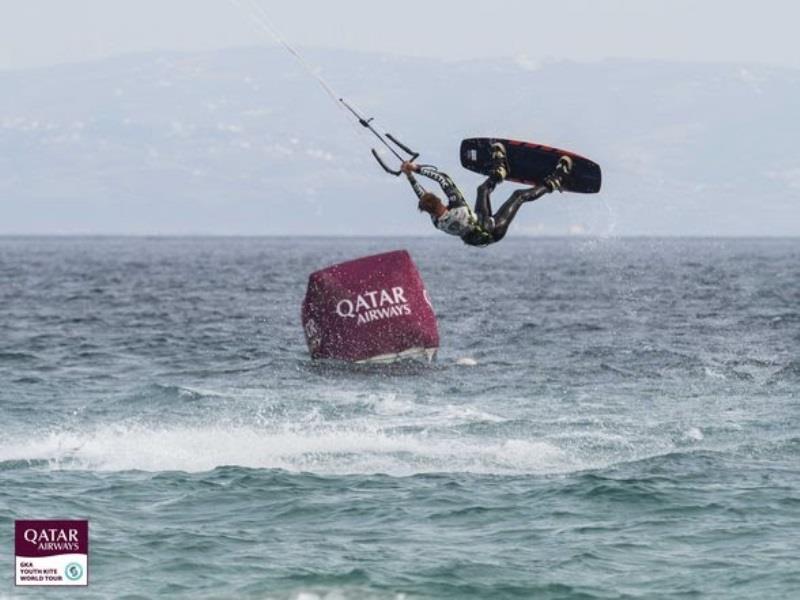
(372, 309)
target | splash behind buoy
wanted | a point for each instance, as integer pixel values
(372, 309)
(466, 361)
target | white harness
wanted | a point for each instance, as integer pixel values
(456, 221)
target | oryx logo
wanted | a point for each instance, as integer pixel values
(73, 571)
(374, 305)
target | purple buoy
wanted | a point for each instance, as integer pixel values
(372, 309)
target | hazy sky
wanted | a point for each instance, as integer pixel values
(42, 32)
(46, 32)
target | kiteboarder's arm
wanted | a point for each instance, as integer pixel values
(408, 168)
(418, 189)
(454, 195)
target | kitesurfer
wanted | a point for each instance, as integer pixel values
(479, 227)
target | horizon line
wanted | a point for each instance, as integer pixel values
(745, 236)
(513, 58)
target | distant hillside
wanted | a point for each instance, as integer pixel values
(244, 141)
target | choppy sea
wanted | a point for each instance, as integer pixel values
(607, 418)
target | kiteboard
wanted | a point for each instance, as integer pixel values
(530, 163)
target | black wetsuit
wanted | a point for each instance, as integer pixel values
(479, 227)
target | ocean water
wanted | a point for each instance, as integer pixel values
(606, 419)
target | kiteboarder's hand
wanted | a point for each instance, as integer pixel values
(408, 167)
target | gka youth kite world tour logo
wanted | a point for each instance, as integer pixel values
(374, 305)
(52, 552)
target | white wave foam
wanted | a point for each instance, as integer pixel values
(323, 450)
(694, 434)
(466, 361)
(392, 404)
(339, 595)
(711, 373)
(390, 409)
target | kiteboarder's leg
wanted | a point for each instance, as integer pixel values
(551, 183)
(509, 209)
(483, 203)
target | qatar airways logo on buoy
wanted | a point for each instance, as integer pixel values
(374, 305)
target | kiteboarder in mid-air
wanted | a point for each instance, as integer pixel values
(528, 163)
(479, 227)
